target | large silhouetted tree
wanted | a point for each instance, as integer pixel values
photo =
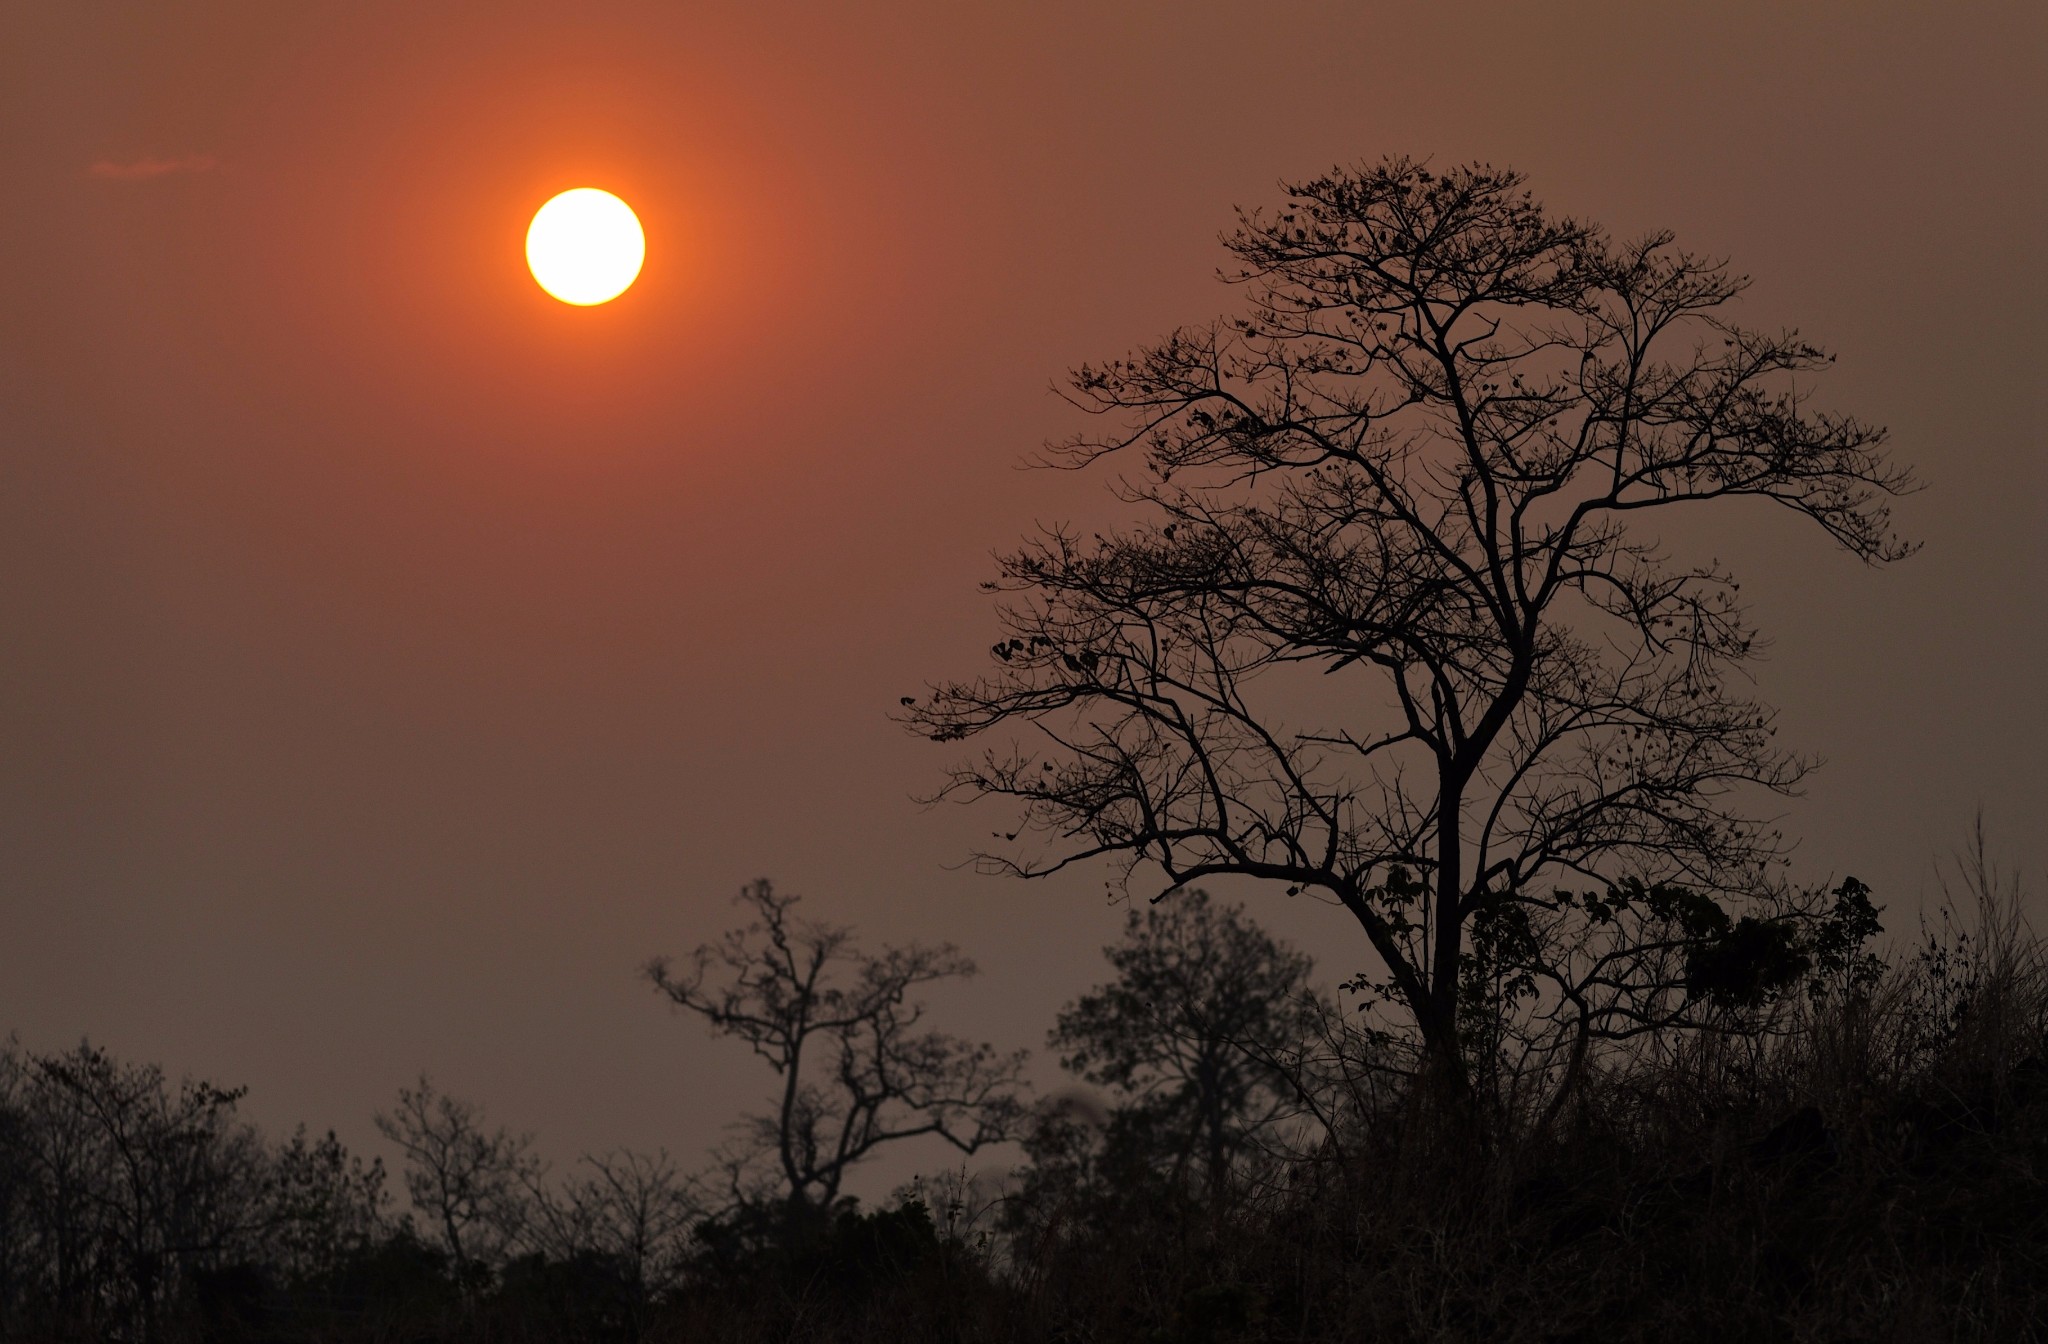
(1394, 629)
(838, 1025)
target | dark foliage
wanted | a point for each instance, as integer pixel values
(1864, 1160)
(1190, 1035)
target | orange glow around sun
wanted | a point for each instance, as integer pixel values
(585, 247)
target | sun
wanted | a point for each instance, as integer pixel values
(585, 247)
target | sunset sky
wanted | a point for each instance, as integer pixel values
(395, 658)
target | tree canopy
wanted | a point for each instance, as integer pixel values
(1202, 1003)
(1392, 628)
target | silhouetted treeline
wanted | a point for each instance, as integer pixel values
(1861, 1157)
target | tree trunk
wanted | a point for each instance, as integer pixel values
(1437, 1017)
(1443, 1120)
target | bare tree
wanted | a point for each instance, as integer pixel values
(837, 1025)
(468, 1183)
(637, 1208)
(1393, 632)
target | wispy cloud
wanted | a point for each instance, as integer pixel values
(143, 170)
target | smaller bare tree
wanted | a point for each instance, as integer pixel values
(468, 1183)
(837, 1025)
(638, 1209)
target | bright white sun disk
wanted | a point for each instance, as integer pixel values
(585, 246)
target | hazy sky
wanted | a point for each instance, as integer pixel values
(394, 659)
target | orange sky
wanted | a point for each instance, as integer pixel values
(395, 658)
